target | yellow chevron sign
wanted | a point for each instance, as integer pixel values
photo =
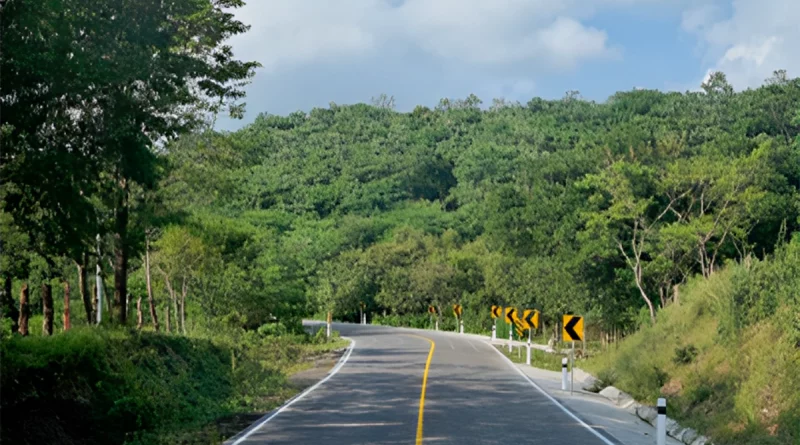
(497, 311)
(572, 328)
(458, 310)
(511, 314)
(530, 319)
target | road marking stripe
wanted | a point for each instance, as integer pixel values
(473, 346)
(556, 402)
(424, 386)
(333, 372)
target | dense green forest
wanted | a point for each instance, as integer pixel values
(110, 165)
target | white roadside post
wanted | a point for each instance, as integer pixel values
(528, 359)
(461, 323)
(328, 327)
(494, 330)
(510, 338)
(661, 422)
(437, 322)
(564, 374)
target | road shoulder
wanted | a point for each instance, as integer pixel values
(595, 410)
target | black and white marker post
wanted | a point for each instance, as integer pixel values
(661, 422)
(494, 330)
(528, 359)
(564, 374)
(328, 325)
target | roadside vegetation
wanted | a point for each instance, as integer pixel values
(90, 386)
(727, 358)
(126, 217)
(539, 358)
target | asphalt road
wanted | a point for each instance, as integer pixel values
(472, 396)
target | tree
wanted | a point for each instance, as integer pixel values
(126, 76)
(179, 258)
(627, 217)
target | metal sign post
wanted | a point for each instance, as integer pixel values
(572, 370)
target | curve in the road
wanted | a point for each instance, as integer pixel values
(556, 402)
(299, 397)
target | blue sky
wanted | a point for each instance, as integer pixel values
(315, 52)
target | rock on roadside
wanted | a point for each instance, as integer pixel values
(621, 399)
(647, 413)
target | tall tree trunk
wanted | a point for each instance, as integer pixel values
(67, 324)
(139, 318)
(169, 326)
(87, 302)
(174, 300)
(24, 310)
(94, 302)
(121, 253)
(47, 309)
(7, 303)
(676, 294)
(640, 284)
(148, 281)
(183, 306)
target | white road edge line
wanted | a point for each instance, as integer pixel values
(332, 372)
(556, 402)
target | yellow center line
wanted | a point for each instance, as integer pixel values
(424, 386)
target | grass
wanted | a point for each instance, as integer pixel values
(96, 386)
(539, 358)
(731, 377)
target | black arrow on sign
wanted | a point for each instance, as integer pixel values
(529, 319)
(570, 328)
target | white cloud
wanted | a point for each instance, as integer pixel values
(757, 38)
(291, 32)
(298, 31)
(696, 18)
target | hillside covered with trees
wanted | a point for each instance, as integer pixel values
(111, 167)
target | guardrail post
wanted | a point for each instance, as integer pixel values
(328, 325)
(528, 359)
(661, 422)
(564, 374)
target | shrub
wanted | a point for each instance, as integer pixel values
(605, 378)
(685, 355)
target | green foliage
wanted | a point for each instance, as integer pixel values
(685, 355)
(726, 357)
(561, 205)
(539, 359)
(108, 386)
